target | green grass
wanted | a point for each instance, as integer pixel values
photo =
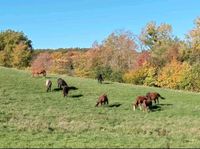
(30, 117)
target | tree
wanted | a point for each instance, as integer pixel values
(43, 61)
(20, 56)
(194, 41)
(12, 43)
(119, 50)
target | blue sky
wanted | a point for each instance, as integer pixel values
(78, 23)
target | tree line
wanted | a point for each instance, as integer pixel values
(156, 57)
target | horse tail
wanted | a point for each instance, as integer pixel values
(160, 96)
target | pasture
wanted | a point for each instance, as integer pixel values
(31, 117)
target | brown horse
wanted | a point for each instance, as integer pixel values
(65, 90)
(103, 99)
(139, 101)
(154, 96)
(146, 105)
(142, 102)
(38, 72)
(100, 78)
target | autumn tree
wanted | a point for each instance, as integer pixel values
(194, 41)
(15, 49)
(43, 61)
(157, 39)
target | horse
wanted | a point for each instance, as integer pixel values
(61, 83)
(146, 105)
(154, 96)
(142, 101)
(65, 90)
(48, 85)
(138, 102)
(103, 99)
(38, 72)
(100, 78)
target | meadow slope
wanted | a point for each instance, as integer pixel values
(30, 117)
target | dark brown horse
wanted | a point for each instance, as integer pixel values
(154, 96)
(103, 99)
(100, 78)
(65, 90)
(61, 83)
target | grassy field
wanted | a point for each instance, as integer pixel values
(30, 117)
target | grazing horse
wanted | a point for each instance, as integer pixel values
(142, 102)
(103, 99)
(48, 85)
(146, 105)
(61, 83)
(65, 90)
(153, 96)
(100, 78)
(38, 72)
(139, 101)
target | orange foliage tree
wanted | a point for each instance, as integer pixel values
(43, 61)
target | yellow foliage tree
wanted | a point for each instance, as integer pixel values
(172, 74)
(20, 56)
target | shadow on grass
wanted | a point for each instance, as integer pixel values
(158, 107)
(72, 88)
(165, 104)
(57, 89)
(115, 105)
(107, 83)
(76, 96)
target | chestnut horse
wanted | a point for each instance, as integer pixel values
(154, 96)
(138, 102)
(142, 101)
(38, 72)
(103, 99)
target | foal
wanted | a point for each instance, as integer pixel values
(103, 99)
(48, 85)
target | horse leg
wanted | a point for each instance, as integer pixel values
(140, 106)
(97, 104)
(133, 107)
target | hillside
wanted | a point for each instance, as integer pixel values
(30, 117)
